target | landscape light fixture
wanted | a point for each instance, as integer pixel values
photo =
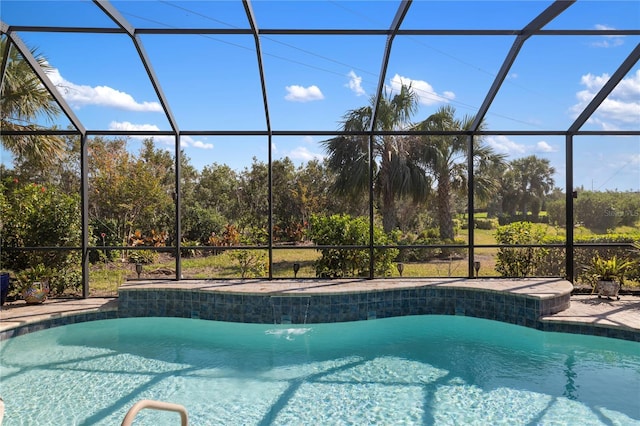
(296, 268)
(138, 269)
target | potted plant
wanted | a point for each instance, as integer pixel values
(33, 284)
(607, 275)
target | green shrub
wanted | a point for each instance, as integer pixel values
(519, 261)
(142, 256)
(553, 263)
(190, 249)
(103, 234)
(252, 263)
(343, 230)
(486, 224)
(63, 280)
(37, 216)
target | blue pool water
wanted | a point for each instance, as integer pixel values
(421, 370)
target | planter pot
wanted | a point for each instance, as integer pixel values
(36, 293)
(4, 287)
(608, 289)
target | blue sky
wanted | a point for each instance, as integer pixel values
(211, 82)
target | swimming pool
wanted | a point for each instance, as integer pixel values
(405, 370)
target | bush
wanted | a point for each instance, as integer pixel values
(190, 249)
(508, 219)
(553, 263)
(486, 224)
(602, 211)
(70, 279)
(341, 230)
(37, 216)
(102, 233)
(142, 256)
(252, 263)
(199, 223)
(519, 261)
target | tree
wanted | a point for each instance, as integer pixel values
(254, 195)
(64, 174)
(125, 191)
(24, 99)
(445, 156)
(218, 189)
(395, 173)
(527, 181)
(286, 210)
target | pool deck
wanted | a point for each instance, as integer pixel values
(584, 310)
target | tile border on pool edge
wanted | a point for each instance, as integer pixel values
(534, 311)
(57, 320)
(518, 309)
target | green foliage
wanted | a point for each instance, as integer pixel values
(343, 230)
(429, 237)
(128, 191)
(55, 280)
(142, 256)
(103, 235)
(525, 185)
(37, 216)
(507, 219)
(190, 248)
(519, 261)
(557, 213)
(69, 279)
(608, 269)
(486, 224)
(37, 272)
(199, 223)
(553, 263)
(603, 211)
(252, 263)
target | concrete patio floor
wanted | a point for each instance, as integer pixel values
(584, 309)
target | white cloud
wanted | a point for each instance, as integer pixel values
(78, 95)
(185, 141)
(303, 94)
(125, 125)
(425, 92)
(303, 154)
(543, 146)
(355, 84)
(620, 110)
(504, 145)
(607, 41)
(188, 141)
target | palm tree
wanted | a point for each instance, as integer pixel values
(531, 179)
(445, 156)
(23, 98)
(395, 173)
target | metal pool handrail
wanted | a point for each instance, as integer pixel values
(155, 405)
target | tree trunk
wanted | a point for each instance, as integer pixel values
(388, 208)
(445, 218)
(388, 211)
